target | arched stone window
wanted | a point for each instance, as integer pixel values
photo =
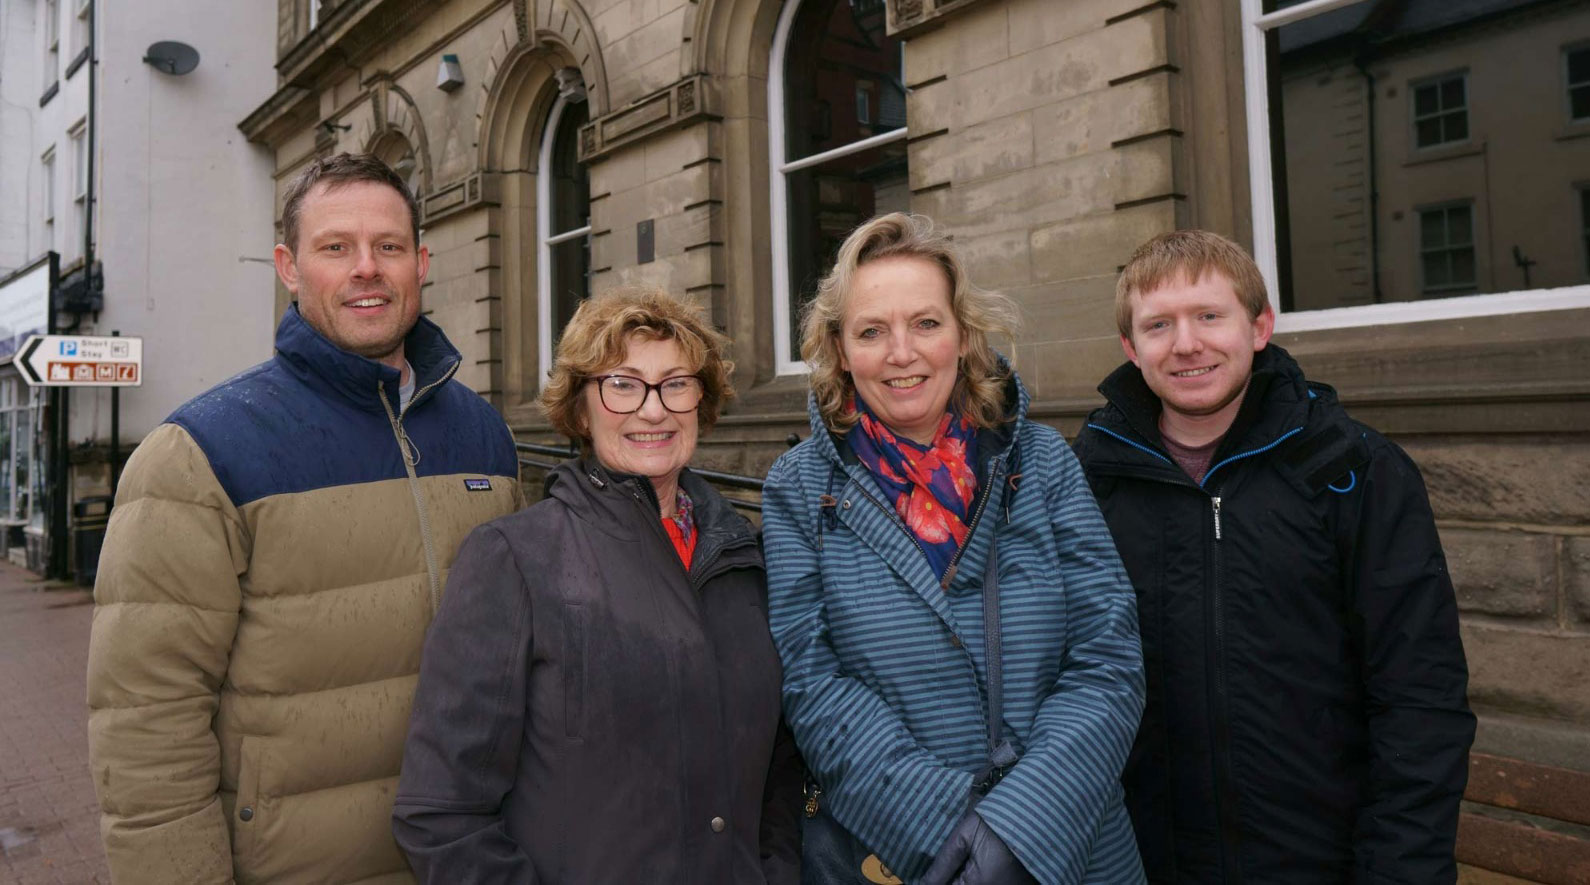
(393, 149)
(836, 144)
(563, 224)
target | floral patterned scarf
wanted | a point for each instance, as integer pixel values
(932, 486)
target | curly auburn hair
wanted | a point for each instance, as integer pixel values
(979, 392)
(598, 336)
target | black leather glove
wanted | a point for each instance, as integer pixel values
(975, 855)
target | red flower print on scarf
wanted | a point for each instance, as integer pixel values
(929, 520)
(932, 486)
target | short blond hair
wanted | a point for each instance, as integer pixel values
(598, 336)
(1192, 254)
(979, 392)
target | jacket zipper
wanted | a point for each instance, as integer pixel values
(411, 457)
(1225, 812)
(977, 517)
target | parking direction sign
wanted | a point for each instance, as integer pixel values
(81, 361)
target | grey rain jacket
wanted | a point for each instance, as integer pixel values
(589, 712)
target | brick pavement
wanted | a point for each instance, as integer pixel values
(49, 818)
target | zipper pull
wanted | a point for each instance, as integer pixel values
(1216, 502)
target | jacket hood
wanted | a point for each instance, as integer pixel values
(1280, 407)
(1278, 398)
(312, 357)
(1017, 401)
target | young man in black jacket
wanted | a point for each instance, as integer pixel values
(1307, 718)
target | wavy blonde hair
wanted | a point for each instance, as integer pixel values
(598, 335)
(979, 392)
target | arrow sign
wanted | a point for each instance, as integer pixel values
(81, 361)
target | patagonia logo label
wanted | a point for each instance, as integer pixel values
(478, 485)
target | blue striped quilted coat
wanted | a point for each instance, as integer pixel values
(884, 671)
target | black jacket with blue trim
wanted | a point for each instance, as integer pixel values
(1307, 716)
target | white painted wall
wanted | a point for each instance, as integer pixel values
(19, 96)
(186, 204)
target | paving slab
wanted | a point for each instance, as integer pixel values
(49, 817)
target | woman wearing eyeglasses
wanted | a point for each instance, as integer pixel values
(598, 697)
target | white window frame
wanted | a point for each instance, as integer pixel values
(548, 239)
(47, 162)
(314, 14)
(52, 42)
(1447, 246)
(80, 31)
(1255, 23)
(1568, 83)
(79, 160)
(1413, 118)
(785, 362)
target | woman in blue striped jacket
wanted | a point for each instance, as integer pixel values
(898, 638)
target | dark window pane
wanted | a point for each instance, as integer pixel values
(827, 201)
(1435, 270)
(1579, 99)
(571, 209)
(1429, 132)
(1432, 230)
(1452, 94)
(1457, 126)
(1424, 101)
(1463, 267)
(840, 56)
(1579, 66)
(1459, 226)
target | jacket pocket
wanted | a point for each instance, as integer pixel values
(247, 817)
(573, 670)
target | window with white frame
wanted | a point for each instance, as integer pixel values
(314, 14)
(80, 35)
(836, 145)
(1446, 249)
(47, 194)
(52, 41)
(1584, 224)
(1577, 62)
(1440, 111)
(1355, 220)
(563, 223)
(18, 415)
(394, 149)
(79, 144)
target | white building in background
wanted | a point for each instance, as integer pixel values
(146, 172)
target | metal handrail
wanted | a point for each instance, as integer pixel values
(732, 480)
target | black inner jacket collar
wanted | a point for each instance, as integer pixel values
(608, 495)
(1276, 402)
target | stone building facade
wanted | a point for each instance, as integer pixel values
(718, 147)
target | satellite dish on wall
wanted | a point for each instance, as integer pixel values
(172, 57)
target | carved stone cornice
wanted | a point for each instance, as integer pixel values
(675, 106)
(908, 17)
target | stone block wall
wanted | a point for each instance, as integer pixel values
(1515, 522)
(1045, 137)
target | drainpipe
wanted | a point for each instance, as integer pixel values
(1361, 62)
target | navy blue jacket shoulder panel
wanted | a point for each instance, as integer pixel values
(311, 417)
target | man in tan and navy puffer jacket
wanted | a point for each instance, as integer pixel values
(276, 552)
